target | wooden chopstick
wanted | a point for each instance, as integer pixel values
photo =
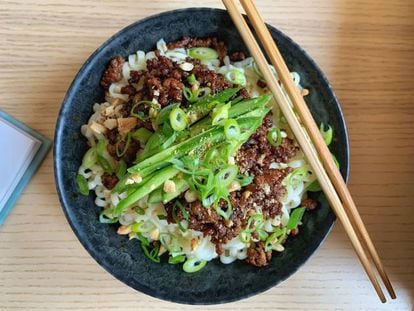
(302, 139)
(313, 131)
(306, 117)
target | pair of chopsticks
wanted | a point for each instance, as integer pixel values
(326, 172)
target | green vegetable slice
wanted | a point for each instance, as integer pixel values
(193, 265)
(178, 119)
(82, 184)
(203, 53)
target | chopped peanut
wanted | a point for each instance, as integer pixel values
(169, 186)
(110, 123)
(124, 230)
(97, 128)
(126, 124)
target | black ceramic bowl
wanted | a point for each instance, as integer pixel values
(216, 283)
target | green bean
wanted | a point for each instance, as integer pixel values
(180, 186)
(157, 180)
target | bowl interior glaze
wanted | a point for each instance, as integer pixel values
(216, 283)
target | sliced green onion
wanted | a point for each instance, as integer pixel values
(177, 259)
(263, 235)
(164, 114)
(183, 212)
(140, 211)
(295, 218)
(191, 79)
(211, 154)
(314, 187)
(275, 239)
(228, 208)
(140, 114)
(244, 180)
(90, 158)
(121, 170)
(220, 113)
(142, 239)
(236, 77)
(142, 135)
(327, 135)
(226, 175)
(193, 265)
(203, 53)
(120, 153)
(274, 137)
(297, 176)
(231, 129)
(103, 217)
(152, 254)
(143, 226)
(102, 157)
(190, 95)
(245, 236)
(162, 217)
(178, 119)
(82, 184)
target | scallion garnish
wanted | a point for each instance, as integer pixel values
(176, 259)
(103, 157)
(226, 175)
(236, 77)
(295, 218)
(186, 216)
(152, 254)
(82, 184)
(327, 135)
(143, 107)
(104, 219)
(191, 79)
(231, 129)
(90, 158)
(220, 113)
(178, 119)
(274, 137)
(203, 53)
(275, 238)
(193, 265)
(120, 153)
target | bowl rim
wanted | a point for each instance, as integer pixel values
(58, 175)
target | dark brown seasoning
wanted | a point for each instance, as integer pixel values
(109, 180)
(113, 72)
(237, 56)
(309, 203)
(257, 154)
(261, 83)
(257, 256)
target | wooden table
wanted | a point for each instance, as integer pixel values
(367, 50)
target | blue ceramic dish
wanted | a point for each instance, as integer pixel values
(216, 283)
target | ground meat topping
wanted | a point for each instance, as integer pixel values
(257, 256)
(109, 180)
(237, 56)
(210, 223)
(113, 72)
(309, 203)
(256, 154)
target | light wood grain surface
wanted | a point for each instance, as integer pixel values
(365, 47)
